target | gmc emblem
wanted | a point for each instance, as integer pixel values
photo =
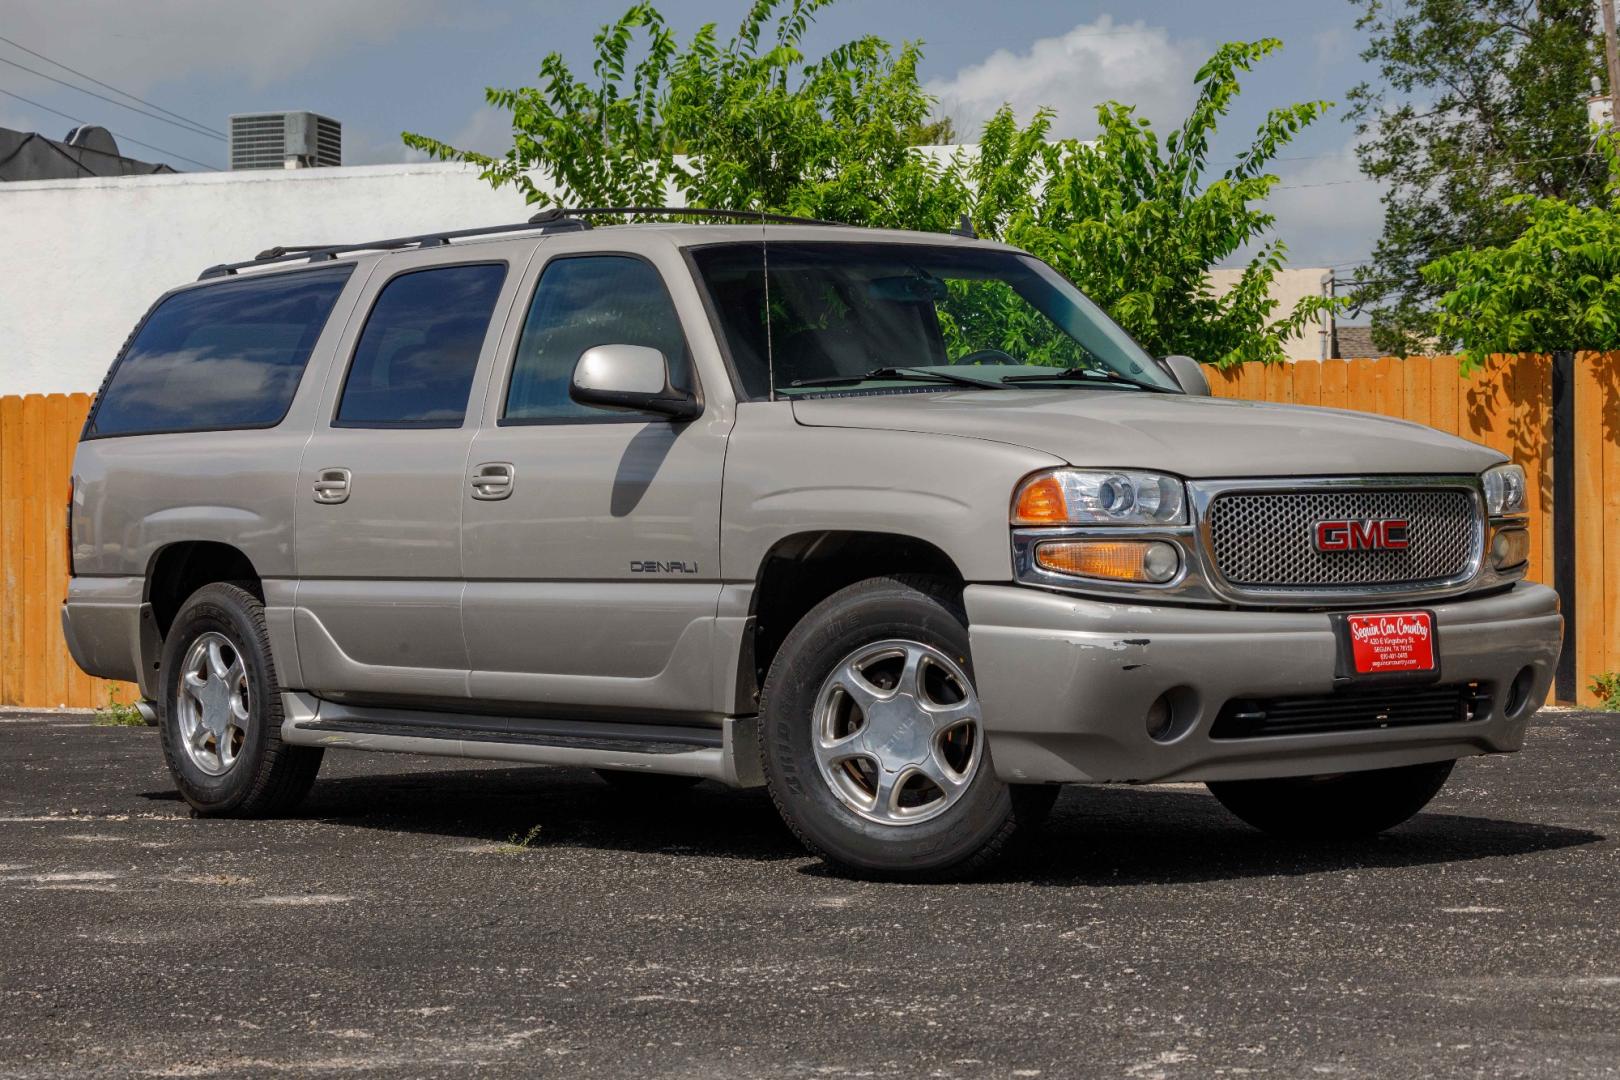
(1389, 534)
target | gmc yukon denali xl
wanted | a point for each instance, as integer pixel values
(900, 526)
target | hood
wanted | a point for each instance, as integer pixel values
(1195, 437)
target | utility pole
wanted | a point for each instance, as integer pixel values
(1611, 53)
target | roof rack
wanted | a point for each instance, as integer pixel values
(551, 219)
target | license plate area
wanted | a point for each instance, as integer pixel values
(1387, 647)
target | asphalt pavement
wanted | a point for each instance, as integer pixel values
(425, 918)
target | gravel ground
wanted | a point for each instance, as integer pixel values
(424, 917)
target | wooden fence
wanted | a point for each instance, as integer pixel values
(37, 436)
(1507, 406)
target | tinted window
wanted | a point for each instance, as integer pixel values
(220, 356)
(415, 360)
(583, 302)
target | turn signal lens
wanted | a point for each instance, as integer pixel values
(1151, 561)
(1041, 502)
(1510, 547)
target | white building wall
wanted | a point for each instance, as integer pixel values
(1289, 287)
(83, 259)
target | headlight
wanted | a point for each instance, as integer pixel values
(1100, 497)
(1504, 490)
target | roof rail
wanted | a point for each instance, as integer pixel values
(551, 219)
(679, 211)
(322, 252)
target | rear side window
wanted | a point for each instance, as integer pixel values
(220, 356)
(415, 361)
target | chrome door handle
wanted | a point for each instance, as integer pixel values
(493, 480)
(332, 486)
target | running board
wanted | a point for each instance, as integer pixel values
(728, 754)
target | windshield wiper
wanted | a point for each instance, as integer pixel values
(1073, 373)
(899, 374)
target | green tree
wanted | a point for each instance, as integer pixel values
(748, 123)
(1475, 100)
(752, 123)
(1136, 223)
(1555, 286)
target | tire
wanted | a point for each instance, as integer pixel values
(220, 630)
(1344, 806)
(647, 784)
(809, 718)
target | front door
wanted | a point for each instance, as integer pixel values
(591, 536)
(377, 533)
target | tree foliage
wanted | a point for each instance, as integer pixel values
(1136, 223)
(1554, 286)
(1476, 100)
(751, 122)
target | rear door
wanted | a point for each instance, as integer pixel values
(377, 535)
(592, 562)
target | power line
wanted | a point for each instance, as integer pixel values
(121, 135)
(1459, 168)
(110, 86)
(190, 130)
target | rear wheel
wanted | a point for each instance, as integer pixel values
(1342, 806)
(873, 741)
(221, 722)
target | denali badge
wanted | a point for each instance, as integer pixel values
(654, 566)
(1388, 534)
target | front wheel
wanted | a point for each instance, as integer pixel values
(1343, 806)
(873, 741)
(221, 722)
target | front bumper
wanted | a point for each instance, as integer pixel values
(1066, 684)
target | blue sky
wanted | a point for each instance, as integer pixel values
(381, 66)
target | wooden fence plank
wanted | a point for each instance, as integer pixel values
(1590, 528)
(1601, 568)
(11, 465)
(1335, 384)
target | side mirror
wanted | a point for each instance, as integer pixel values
(631, 377)
(1189, 374)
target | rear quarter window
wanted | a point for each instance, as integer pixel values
(221, 356)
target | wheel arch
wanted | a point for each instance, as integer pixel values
(803, 569)
(178, 569)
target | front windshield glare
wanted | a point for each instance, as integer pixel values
(864, 315)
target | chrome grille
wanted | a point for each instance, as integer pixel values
(1265, 540)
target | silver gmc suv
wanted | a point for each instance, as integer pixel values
(900, 526)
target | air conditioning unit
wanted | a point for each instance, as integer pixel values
(285, 140)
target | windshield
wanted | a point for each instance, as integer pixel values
(829, 316)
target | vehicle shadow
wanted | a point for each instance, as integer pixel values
(1114, 836)
(1096, 837)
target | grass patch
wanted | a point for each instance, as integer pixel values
(1607, 687)
(118, 713)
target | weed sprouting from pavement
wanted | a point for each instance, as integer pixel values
(118, 713)
(516, 843)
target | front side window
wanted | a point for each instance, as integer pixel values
(583, 301)
(220, 356)
(828, 315)
(414, 363)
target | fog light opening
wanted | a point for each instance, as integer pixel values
(1171, 715)
(1518, 695)
(1510, 548)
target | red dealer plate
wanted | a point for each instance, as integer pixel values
(1391, 642)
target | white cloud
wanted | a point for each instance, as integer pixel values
(1327, 211)
(1073, 73)
(137, 45)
